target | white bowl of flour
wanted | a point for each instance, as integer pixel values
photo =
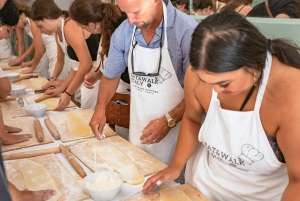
(103, 186)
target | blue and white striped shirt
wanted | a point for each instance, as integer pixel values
(180, 27)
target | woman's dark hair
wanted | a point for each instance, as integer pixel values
(186, 2)
(202, 4)
(226, 41)
(46, 9)
(23, 8)
(109, 16)
(233, 4)
(9, 14)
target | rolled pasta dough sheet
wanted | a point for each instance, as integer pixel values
(77, 124)
(117, 160)
(36, 177)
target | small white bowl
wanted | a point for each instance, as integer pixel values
(102, 195)
(11, 76)
(17, 89)
(37, 109)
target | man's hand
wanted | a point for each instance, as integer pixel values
(155, 131)
(97, 124)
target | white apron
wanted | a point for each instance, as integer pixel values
(43, 65)
(153, 97)
(235, 160)
(5, 47)
(87, 97)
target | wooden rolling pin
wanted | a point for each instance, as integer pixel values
(53, 131)
(44, 97)
(10, 67)
(29, 154)
(38, 130)
(8, 99)
(72, 160)
(20, 78)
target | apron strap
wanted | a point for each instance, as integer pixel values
(263, 84)
(268, 9)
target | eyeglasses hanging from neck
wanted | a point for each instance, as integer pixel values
(134, 43)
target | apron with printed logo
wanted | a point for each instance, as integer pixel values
(235, 160)
(153, 96)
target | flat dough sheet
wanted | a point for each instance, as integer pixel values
(69, 188)
(50, 102)
(66, 135)
(146, 164)
(183, 192)
(11, 109)
(117, 160)
(26, 123)
(36, 177)
(78, 124)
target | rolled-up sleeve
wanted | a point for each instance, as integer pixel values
(115, 64)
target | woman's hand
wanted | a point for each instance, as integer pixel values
(27, 71)
(15, 62)
(53, 92)
(26, 64)
(53, 83)
(170, 173)
(90, 79)
(64, 101)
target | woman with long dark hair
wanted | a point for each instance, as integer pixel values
(247, 148)
(95, 16)
(79, 46)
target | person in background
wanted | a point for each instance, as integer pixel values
(95, 16)
(44, 43)
(9, 17)
(40, 61)
(242, 7)
(277, 9)
(104, 18)
(247, 148)
(203, 7)
(79, 46)
(183, 6)
(157, 58)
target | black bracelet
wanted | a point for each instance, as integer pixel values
(67, 93)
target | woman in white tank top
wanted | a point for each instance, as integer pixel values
(41, 44)
(248, 145)
(79, 46)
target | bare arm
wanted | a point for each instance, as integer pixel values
(107, 89)
(38, 45)
(20, 42)
(188, 134)
(78, 43)
(5, 87)
(282, 15)
(288, 138)
(60, 60)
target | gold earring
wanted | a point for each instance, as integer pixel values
(254, 79)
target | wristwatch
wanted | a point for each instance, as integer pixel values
(170, 120)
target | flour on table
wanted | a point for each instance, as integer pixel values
(36, 177)
(118, 160)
